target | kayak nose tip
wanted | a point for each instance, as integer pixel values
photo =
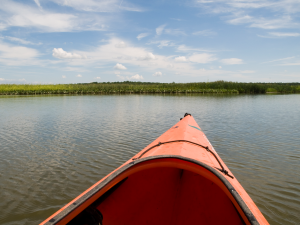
(187, 114)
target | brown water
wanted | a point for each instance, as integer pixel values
(54, 147)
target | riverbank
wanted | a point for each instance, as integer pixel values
(147, 87)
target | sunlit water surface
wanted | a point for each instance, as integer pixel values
(52, 148)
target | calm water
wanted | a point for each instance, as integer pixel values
(54, 147)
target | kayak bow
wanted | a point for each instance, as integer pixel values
(178, 179)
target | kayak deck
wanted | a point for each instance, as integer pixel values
(166, 183)
(168, 195)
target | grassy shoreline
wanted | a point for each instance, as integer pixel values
(219, 87)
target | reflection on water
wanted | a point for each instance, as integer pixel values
(55, 147)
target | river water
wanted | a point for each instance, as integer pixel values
(52, 148)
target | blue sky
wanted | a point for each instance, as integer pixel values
(78, 41)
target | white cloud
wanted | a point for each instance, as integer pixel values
(160, 29)
(18, 55)
(64, 76)
(16, 14)
(120, 77)
(220, 67)
(281, 34)
(181, 59)
(17, 52)
(136, 57)
(79, 75)
(110, 53)
(142, 35)
(156, 74)
(202, 58)
(148, 56)
(97, 78)
(119, 66)
(121, 45)
(61, 54)
(232, 61)
(204, 33)
(136, 77)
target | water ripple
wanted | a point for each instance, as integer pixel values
(55, 147)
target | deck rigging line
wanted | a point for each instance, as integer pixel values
(202, 146)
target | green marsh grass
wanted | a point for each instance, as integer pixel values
(148, 87)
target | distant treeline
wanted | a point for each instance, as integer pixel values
(148, 87)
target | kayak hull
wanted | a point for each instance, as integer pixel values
(171, 183)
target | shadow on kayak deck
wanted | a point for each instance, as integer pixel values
(162, 195)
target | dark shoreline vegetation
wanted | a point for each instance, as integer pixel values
(148, 87)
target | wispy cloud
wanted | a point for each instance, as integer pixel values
(142, 35)
(162, 43)
(278, 35)
(160, 29)
(37, 2)
(77, 69)
(120, 77)
(288, 61)
(247, 71)
(184, 48)
(21, 41)
(282, 59)
(202, 58)
(286, 6)
(205, 33)
(291, 64)
(264, 23)
(99, 6)
(252, 12)
(232, 61)
(281, 34)
(175, 32)
(16, 14)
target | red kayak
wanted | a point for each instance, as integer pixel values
(177, 179)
